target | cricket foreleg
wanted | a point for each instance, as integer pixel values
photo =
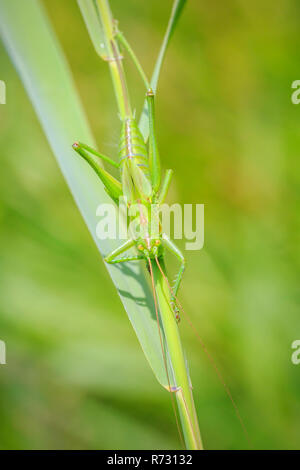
(172, 248)
(112, 258)
(112, 186)
(80, 146)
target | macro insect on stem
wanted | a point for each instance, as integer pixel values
(22, 48)
(141, 185)
(140, 174)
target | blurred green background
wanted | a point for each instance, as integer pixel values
(76, 377)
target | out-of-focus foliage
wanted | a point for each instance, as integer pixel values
(75, 375)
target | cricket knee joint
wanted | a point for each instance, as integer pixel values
(150, 92)
(76, 145)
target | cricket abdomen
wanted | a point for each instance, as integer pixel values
(132, 146)
(135, 172)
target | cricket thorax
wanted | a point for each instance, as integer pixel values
(150, 248)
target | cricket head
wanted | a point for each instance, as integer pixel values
(150, 248)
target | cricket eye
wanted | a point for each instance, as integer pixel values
(140, 247)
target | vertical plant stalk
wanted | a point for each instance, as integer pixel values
(184, 396)
(115, 65)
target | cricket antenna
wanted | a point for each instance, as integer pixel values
(163, 353)
(209, 356)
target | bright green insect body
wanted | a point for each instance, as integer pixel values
(140, 184)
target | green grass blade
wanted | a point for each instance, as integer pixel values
(38, 58)
(174, 17)
(90, 13)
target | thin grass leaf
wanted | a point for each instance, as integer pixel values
(90, 13)
(39, 60)
(175, 15)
